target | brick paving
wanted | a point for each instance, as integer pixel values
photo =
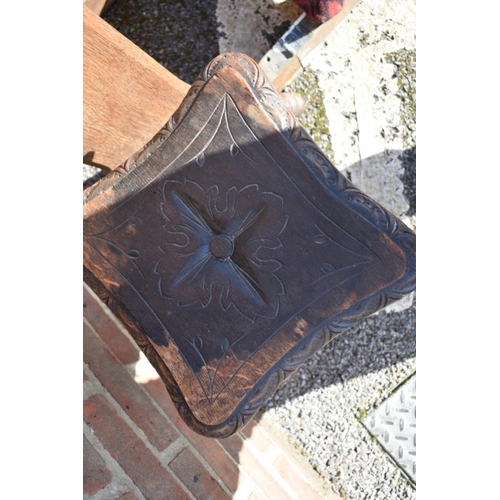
(135, 445)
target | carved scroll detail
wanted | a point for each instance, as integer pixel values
(134, 161)
(367, 207)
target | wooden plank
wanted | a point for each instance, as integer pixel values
(291, 68)
(127, 95)
(291, 71)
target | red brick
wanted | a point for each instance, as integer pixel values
(154, 481)
(294, 478)
(257, 436)
(158, 391)
(309, 474)
(126, 391)
(221, 463)
(195, 477)
(106, 328)
(96, 475)
(232, 445)
(210, 449)
(249, 462)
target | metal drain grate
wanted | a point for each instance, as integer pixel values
(394, 425)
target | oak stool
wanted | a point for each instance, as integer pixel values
(232, 249)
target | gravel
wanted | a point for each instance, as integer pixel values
(182, 35)
(91, 175)
(361, 111)
(320, 408)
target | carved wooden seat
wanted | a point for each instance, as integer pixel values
(232, 249)
(229, 246)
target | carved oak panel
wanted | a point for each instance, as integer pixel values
(232, 249)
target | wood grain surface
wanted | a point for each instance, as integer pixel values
(127, 95)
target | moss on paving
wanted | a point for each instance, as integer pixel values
(404, 62)
(313, 119)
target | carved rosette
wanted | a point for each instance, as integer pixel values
(220, 248)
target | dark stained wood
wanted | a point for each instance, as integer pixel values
(232, 249)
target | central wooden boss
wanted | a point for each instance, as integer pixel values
(232, 249)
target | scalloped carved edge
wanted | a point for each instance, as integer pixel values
(315, 160)
(134, 161)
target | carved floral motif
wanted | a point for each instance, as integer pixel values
(221, 248)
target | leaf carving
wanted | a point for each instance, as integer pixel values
(198, 343)
(225, 239)
(327, 268)
(320, 239)
(234, 150)
(134, 220)
(225, 345)
(201, 159)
